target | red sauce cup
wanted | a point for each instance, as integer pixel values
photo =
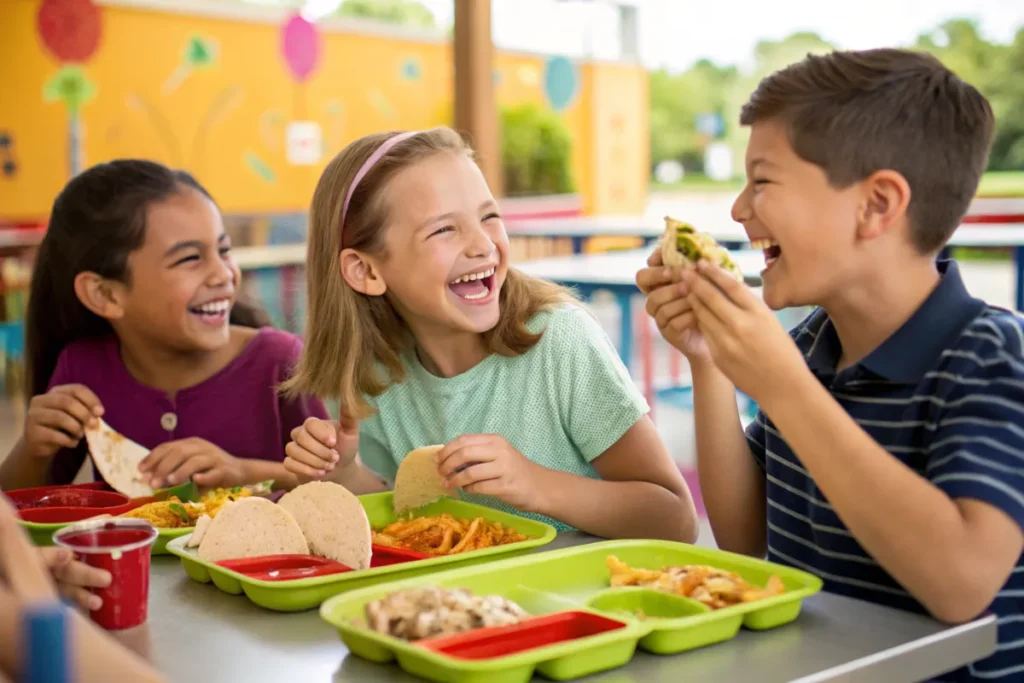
(121, 546)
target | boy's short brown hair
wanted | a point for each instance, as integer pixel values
(855, 113)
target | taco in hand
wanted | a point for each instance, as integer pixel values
(683, 247)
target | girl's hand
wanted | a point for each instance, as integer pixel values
(58, 418)
(172, 463)
(321, 446)
(488, 465)
(74, 578)
(668, 305)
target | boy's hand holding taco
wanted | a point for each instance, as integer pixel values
(744, 338)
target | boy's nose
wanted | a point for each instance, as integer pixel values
(741, 211)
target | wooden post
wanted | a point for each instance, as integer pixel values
(475, 113)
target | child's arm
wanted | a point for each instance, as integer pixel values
(640, 494)
(54, 425)
(952, 537)
(23, 581)
(732, 484)
(731, 481)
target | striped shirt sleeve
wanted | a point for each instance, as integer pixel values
(977, 450)
(756, 433)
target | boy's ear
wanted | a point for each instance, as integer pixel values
(101, 296)
(884, 200)
(361, 273)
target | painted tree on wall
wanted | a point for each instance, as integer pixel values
(71, 31)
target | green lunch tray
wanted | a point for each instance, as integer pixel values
(304, 594)
(42, 534)
(577, 580)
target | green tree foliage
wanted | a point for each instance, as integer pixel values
(676, 98)
(536, 149)
(406, 12)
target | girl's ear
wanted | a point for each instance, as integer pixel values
(101, 296)
(361, 273)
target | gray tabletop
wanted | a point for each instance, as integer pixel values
(196, 632)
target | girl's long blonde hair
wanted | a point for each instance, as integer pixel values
(354, 342)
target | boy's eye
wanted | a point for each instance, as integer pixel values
(440, 231)
(491, 216)
(225, 250)
(186, 259)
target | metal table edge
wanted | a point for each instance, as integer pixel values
(932, 656)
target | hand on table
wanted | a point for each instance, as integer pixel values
(671, 309)
(743, 336)
(74, 578)
(488, 465)
(172, 463)
(321, 446)
(58, 418)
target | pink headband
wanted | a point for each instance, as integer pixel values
(365, 168)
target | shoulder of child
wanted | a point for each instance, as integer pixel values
(272, 343)
(996, 335)
(83, 358)
(567, 325)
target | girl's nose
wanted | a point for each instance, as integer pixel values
(479, 243)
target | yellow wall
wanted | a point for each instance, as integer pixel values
(236, 108)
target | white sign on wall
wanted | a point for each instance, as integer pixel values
(303, 143)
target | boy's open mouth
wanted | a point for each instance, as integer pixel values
(771, 250)
(212, 312)
(473, 286)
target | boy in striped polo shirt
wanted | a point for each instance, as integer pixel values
(888, 456)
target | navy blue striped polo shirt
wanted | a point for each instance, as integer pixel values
(945, 395)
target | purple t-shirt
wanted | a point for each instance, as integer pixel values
(238, 409)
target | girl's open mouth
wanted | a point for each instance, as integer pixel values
(212, 312)
(473, 287)
(771, 251)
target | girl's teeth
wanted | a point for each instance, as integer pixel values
(473, 297)
(763, 244)
(214, 308)
(473, 276)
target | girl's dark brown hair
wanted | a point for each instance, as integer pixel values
(97, 220)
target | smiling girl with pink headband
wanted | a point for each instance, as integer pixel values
(418, 325)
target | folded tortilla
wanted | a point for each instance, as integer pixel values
(333, 521)
(117, 458)
(417, 482)
(682, 246)
(251, 527)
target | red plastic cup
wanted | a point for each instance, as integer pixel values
(121, 546)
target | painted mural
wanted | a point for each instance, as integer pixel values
(257, 109)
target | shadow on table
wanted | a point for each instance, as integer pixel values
(286, 628)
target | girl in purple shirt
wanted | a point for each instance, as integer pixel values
(133, 317)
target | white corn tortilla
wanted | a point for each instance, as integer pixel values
(251, 527)
(117, 458)
(333, 521)
(417, 482)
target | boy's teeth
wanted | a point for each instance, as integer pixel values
(765, 243)
(473, 276)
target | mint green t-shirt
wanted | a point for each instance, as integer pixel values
(561, 404)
